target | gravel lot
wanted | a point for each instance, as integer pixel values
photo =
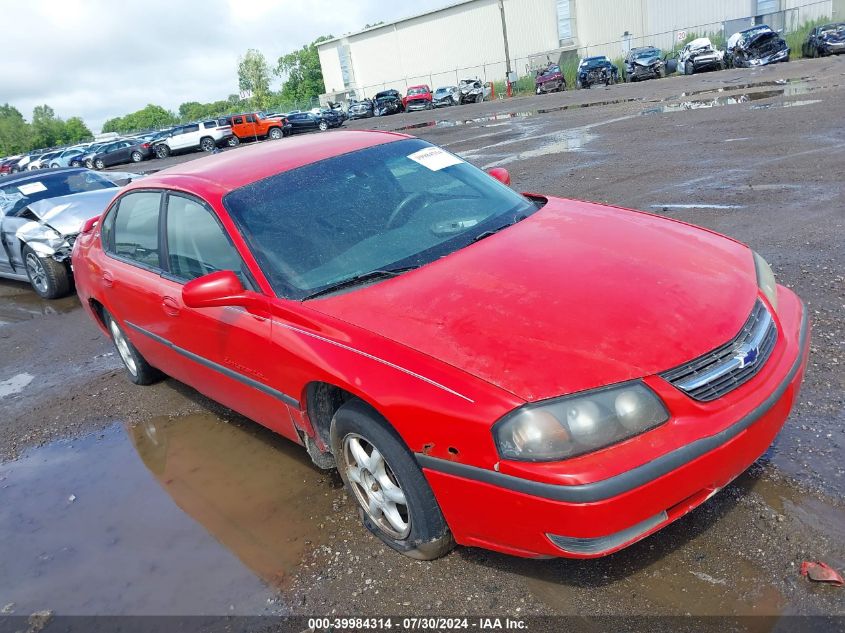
(115, 498)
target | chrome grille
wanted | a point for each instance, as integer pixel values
(727, 367)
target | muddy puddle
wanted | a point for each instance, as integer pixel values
(18, 302)
(189, 515)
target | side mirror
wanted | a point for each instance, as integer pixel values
(89, 225)
(501, 174)
(220, 289)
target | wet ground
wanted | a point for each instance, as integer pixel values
(120, 499)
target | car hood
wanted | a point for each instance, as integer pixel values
(763, 39)
(577, 296)
(833, 36)
(647, 60)
(66, 214)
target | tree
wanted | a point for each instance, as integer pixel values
(254, 77)
(151, 117)
(76, 131)
(46, 128)
(301, 68)
(15, 133)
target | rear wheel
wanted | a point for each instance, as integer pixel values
(394, 499)
(139, 370)
(207, 144)
(137, 157)
(233, 141)
(275, 133)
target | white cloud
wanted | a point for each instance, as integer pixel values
(103, 58)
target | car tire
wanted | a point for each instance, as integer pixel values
(162, 151)
(275, 133)
(49, 278)
(137, 368)
(137, 157)
(99, 164)
(363, 442)
(689, 68)
(537, 90)
(578, 84)
(207, 144)
(233, 141)
(323, 126)
(479, 98)
(89, 164)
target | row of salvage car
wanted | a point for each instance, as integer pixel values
(757, 46)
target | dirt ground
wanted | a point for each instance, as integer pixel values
(121, 499)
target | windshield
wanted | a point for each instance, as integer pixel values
(647, 53)
(594, 62)
(443, 91)
(832, 28)
(417, 91)
(17, 195)
(401, 204)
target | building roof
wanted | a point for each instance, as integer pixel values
(454, 3)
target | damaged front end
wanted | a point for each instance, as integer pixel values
(46, 241)
(768, 48)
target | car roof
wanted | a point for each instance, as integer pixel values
(37, 175)
(226, 171)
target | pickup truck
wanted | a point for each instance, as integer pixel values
(254, 125)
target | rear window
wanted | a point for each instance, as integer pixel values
(209, 123)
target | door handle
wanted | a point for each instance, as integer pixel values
(170, 306)
(108, 279)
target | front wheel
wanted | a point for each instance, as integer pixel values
(162, 151)
(99, 164)
(139, 370)
(323, 125)
(689, 68)
(49, 278)
(394, 499)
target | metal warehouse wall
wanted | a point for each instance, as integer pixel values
(464, 40)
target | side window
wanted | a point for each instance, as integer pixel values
(196, 243)
(209, 124)
(237, 120)
(250, 118)
(134, 234)
(190, 128)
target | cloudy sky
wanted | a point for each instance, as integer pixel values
(103, 58)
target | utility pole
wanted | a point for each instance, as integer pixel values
(507, 51)
(505, 37)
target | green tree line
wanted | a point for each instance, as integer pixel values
(46, 130)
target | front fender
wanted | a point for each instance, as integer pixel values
(44, 240)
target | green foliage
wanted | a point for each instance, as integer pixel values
(46, 130)
(796, 38)
(254, 77)
(619, 62)
(302, 73)
(151, 117)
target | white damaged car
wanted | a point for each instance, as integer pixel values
(700, 55)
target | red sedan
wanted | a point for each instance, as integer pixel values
(528, 374)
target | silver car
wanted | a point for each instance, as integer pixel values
(40, 216)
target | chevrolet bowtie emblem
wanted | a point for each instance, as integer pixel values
(746, 355)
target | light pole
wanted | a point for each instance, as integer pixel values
(507, 51)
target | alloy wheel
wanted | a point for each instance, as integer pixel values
(122, 346)
(376, 487)
(37, 274)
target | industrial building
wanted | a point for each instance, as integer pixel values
(488, 38)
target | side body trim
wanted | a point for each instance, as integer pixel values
(217, 367)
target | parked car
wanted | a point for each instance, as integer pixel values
(205, 136)
(121, 152)
(254, 125)
(308, 122)
(40, 216)
(596, 70)
(549, 79)
(757, 46)
(418, 98)
(360, 110)
(7, 166)
(446, 96)
(63, 158)
(345, 282)
(645, 62)
(474, 90)
(700, 55)
(387, 102)
(86, 158)
(828, 39)
(23, 161)
(42, 161)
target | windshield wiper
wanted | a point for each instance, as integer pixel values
(490, 232)
(373, 275)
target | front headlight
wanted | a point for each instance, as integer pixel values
(766, 279)
(573, 425)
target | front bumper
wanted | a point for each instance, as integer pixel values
(534, 518)
(833, 48)
(417, 105)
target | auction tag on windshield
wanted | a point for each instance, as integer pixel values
(30, 188)
(434, 158)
